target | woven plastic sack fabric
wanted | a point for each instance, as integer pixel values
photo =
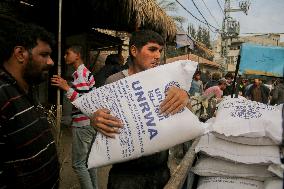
(208, 166)
(255, 141)
(273, 184)
(228, 183)
(241, 117)
(212, 146)
(277, 169)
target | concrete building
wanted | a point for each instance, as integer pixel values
(269, 39)
(264, 39)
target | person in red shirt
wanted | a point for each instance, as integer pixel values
(217, 90)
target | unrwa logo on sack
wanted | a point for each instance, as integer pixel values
(173, 84)
(145, 109)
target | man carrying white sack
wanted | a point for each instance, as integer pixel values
(145, 49)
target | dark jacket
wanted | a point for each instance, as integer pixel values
(278, 94)
(228, 90)
(104, 73)
(264, 92)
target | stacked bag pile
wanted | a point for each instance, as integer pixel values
(242, 149)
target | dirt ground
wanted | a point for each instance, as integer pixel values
(68, 179)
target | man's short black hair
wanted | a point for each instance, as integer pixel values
(197, 72)
(142, 37)
(229, 75)
(14, 33)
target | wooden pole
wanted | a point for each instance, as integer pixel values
(179, 176)
(188, 52)
(235, 77)
(165, 50)
(59, 107)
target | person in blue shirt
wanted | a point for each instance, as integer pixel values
(196, 88)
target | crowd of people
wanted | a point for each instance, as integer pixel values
(256, 90)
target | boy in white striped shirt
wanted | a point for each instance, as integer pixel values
(82, 132)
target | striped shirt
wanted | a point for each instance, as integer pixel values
(28, 152)
(83, 82)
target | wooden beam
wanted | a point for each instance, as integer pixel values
(178, 178)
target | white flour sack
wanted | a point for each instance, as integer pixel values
(228, 183)
(273, 184)
(256, 141)
(277, 169)
(215, 147)
(135, 100)
(241, 117)
(208, 166)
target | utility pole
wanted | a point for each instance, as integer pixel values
(231, 27)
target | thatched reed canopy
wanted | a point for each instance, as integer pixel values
(80, 16)
(135, 14)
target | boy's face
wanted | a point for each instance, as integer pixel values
(229, 80)
(197, 76)
(147, 57)
(70, 56)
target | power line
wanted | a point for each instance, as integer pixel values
(220, 7)
(202, 15)
(194, 16)
(210, 13)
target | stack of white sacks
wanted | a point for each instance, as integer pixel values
(242, 149)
